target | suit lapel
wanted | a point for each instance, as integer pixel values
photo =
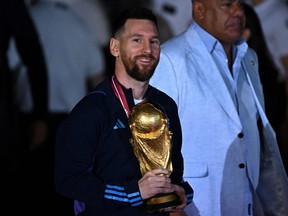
(248, 64)
(210, 75)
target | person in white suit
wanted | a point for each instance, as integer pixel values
(231, 157)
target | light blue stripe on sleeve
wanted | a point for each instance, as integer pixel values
(133, 194)
(115, 187)
(121, 199)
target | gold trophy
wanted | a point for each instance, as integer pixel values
(152, 145)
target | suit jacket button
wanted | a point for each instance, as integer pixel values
(241, 165)
(240, 135)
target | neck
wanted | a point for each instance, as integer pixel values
(139, 94)
(138, 88)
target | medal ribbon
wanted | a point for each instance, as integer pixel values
(120, 95)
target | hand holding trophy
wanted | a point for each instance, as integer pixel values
(152, 145)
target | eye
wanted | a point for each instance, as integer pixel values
(155, 42)
(227, 3)
(138, 40)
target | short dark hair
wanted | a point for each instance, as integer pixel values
(133, 13)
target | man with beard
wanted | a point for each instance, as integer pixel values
(95, 164)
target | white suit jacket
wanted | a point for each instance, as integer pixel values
(212, 148)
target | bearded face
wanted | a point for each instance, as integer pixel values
(140, 67)
(137, 49)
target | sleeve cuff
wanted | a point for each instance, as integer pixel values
(133, 193)
(188, 191)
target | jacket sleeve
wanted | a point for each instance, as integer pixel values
(76, 143)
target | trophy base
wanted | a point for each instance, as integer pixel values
(161, 202)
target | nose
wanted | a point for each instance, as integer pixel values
(146, 46)
(238, 9)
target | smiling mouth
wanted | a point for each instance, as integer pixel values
(145, 60)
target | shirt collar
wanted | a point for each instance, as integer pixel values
(212, 43)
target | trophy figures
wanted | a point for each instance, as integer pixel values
(152, 145)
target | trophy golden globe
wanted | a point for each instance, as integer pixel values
(152, 145)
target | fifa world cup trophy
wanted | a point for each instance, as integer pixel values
(152, 145)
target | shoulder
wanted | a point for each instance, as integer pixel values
(96, 99)
(251, 53)
(173, 43)
(162, 99)
(179, 46)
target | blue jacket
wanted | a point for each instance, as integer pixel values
(95, 163)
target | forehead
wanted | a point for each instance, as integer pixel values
(140, 26)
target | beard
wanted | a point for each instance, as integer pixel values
(134, 71)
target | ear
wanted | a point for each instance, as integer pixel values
(198, 10)
(114, 47)
(246, 34)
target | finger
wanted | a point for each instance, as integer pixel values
(161, 171)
